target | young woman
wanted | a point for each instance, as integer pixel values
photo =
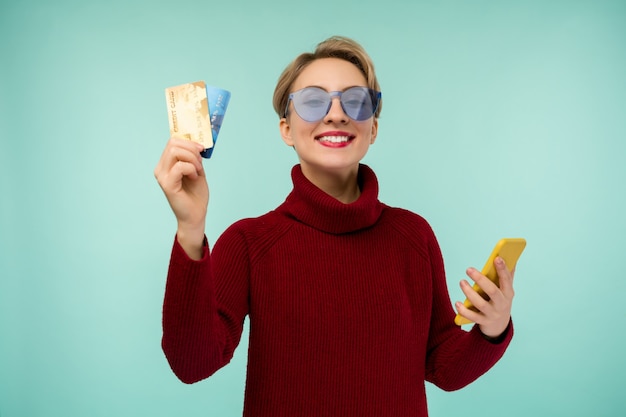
(347, 299)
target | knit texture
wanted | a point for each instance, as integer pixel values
(348, 306)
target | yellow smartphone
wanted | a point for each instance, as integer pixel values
(508, 249)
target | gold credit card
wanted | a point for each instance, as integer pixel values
(188, 113)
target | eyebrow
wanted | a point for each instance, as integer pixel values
(322, 88)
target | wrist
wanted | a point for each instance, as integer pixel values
(494, 337)
(191, 239)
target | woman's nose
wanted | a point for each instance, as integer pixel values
(335, 113)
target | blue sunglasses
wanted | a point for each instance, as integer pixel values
(313, 103)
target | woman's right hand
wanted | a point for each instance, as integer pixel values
(181, 176)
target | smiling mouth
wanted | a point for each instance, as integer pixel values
(335, 139)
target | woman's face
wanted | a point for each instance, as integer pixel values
(336, 143)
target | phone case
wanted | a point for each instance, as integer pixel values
(508, 249)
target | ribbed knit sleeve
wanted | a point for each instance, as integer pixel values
(201, 333)
(455, 358)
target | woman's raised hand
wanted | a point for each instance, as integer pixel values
(494, 314)
(181, 176)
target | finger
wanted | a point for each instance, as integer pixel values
(471, 315)
(504, 276)
(172, 153)
(181, 141)
(173, 180)
(177, 142)
(169, 174)
(185, 169)
(474, 297)
(185, 153)
(485, 284)
(193, 146)
(504, 288)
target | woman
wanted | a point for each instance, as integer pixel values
(346, 296)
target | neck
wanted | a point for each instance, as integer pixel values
(341, 185)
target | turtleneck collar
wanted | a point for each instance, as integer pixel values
(312, 206)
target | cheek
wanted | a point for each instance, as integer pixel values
(369, 130)
(302, 131)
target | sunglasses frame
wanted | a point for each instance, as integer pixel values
(374, 95)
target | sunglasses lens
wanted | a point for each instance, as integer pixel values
(357, 103)
(311, 103)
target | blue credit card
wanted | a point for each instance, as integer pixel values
(218, 102)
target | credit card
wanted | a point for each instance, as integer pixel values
(188, 113)
(218, 102)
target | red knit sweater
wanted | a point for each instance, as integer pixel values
(348, 307)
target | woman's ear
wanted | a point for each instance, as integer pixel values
(374, 131)
(285, 131)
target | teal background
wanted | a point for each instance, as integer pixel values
(499, 119)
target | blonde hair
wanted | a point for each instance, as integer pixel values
(334, 47)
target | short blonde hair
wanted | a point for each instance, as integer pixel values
(334, 47)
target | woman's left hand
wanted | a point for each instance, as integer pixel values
(494, 314)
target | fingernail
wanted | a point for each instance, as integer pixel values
(500, 261)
